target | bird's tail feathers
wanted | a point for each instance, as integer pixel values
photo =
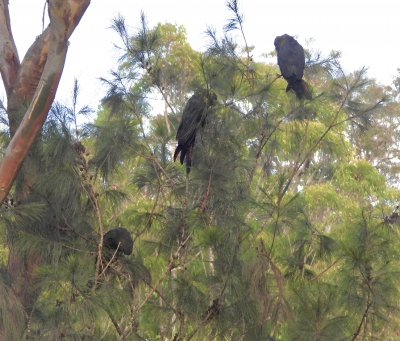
(189, 159)
(183, 153)
(301, 89)
(177, 151)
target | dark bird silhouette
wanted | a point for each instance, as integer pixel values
(193, 117)
(291, 62)
(394, 217)
(118, 238)
(116, 243)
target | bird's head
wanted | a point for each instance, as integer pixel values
(279, 40)
(119, 238)
(209, 97)
(212, 97)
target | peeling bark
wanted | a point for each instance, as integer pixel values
(64, 17)
(9, 60)
(32, 84)
(28, 77)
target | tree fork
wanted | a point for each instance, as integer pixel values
(64, 17)
(33, 82)
(28, 77)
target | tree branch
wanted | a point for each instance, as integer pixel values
(356, 334)
(28, 77)
(64, 17)
(9, 60)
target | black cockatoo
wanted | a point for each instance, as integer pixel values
(118, 238)
(193, 117)
(291, 62)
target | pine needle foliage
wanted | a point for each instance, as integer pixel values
(238, 250)
(277, 233)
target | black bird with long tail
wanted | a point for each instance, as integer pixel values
(291, 61)
(193, 118)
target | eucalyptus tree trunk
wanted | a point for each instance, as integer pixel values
(31, 86)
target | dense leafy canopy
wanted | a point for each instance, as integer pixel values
(277, 233)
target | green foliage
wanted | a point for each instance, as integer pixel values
(317, 313)
(277, 233)
(12, 314)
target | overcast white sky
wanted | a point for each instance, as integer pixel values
(365, 31)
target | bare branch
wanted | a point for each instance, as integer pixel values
(9, 60)
(28, 77)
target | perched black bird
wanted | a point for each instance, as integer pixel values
(291, 62)
(118, 238)
(193, 117)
